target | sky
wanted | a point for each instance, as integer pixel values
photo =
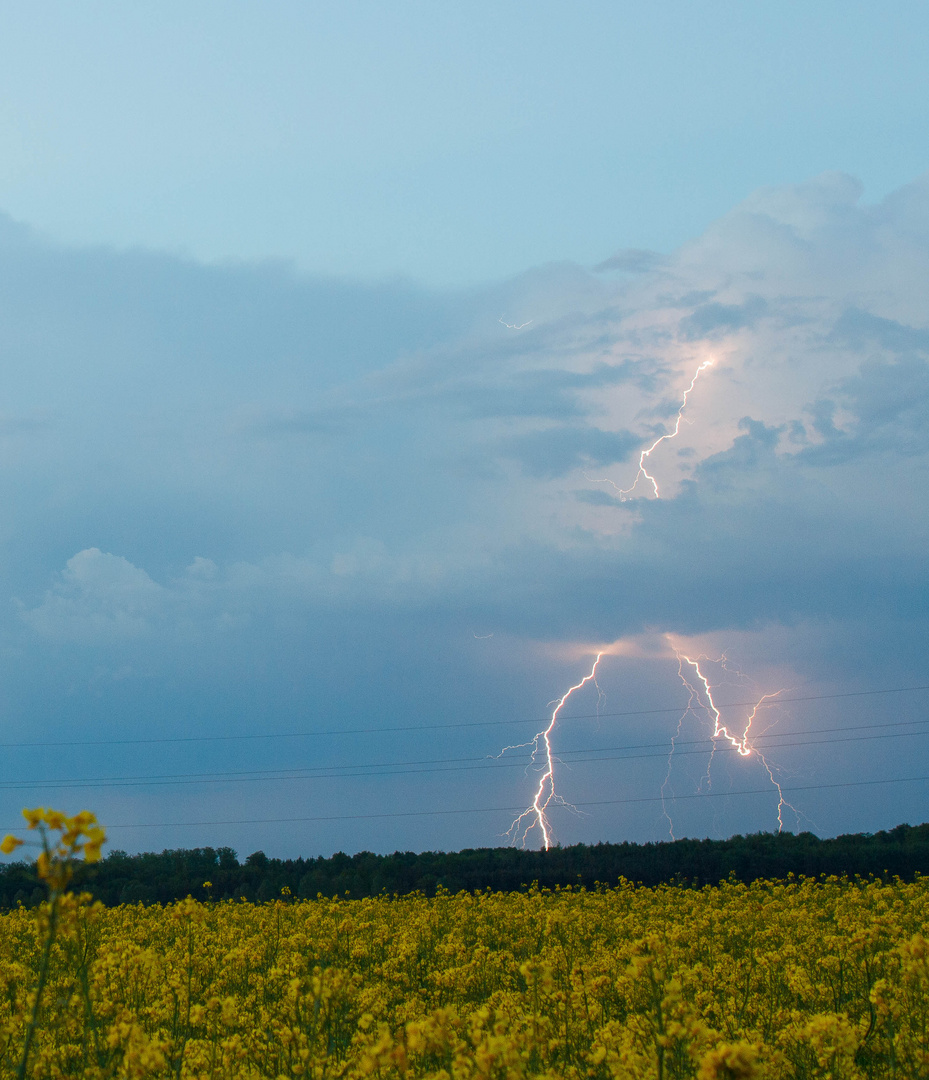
(332, 337)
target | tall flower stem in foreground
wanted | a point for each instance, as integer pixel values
(78, 835)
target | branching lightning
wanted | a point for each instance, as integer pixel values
(693, 673)
(513, 326)
(534, 816)
(739, 742)
(693, 676)
(700, 692)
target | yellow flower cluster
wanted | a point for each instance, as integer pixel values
(775, 980)
(78, 835)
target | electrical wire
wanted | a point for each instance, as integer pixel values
(441, 727)
(433, 765)
(507, 809)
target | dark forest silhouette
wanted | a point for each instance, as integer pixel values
(173, 875)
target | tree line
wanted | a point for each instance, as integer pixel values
(217, 874)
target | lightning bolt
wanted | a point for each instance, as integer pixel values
(534, 816)
(700, 693)
(643, 472)
(513, 326)
(739, 742)
(697, 683)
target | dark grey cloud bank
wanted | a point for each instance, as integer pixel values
(242, 501)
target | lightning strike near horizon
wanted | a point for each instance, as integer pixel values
(700, 689)
(545, 793)
(701, 696)
(677, 734)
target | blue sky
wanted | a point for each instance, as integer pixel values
(452, 143)
(331, 338)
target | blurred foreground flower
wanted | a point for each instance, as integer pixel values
(55, 865)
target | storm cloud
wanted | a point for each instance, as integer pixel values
(240, 500)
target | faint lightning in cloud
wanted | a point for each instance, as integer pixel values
(534, 816)
(513, 326)
(677, 734)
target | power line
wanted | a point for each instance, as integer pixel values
(434, 765)
(444, 727)
(507, 809)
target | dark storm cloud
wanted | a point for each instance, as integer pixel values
(747, 543)
(565, 448)
(749, 452)
(862, 330)
(551, 394)
(238, 496)
(888, 402)
(709, 320)
(149, 318)
(355, 427)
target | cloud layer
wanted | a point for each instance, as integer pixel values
(240, 501)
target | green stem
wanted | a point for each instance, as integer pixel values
(40, 984)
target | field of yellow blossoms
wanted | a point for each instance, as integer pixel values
(775, 979)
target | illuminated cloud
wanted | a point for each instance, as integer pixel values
(293, 497)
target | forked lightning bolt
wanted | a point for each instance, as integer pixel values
(697, 684)
(535, 813)
(739, 742)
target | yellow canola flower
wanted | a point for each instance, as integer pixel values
(92, 853)
(78, 835)
(770, 981)
(738, 1062)
(43, 864)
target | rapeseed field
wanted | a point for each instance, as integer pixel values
(770, 980)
